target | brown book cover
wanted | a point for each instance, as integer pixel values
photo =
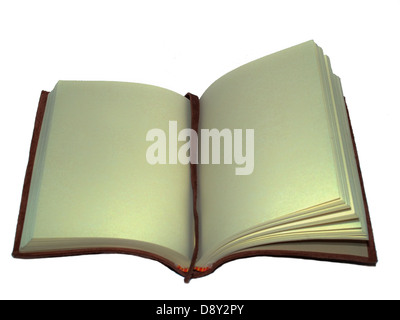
(24, 200)
(192, 271)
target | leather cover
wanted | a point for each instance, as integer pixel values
(60, 253)
(370, 260)
(192, 271)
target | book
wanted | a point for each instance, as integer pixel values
(264, 163)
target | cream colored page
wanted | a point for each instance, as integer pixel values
(281, 98)
(96, 180)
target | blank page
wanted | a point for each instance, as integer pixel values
(281, 97)
(95, 180)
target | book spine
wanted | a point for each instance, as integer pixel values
(195, 113)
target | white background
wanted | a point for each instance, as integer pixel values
(185, 46)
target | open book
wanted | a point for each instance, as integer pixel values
(264, 163)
